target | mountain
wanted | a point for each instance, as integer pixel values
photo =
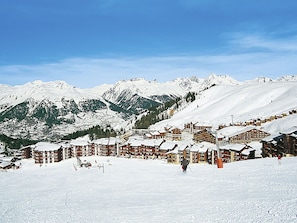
(50, 110)
(261, 100)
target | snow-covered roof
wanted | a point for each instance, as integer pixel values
(233, 130)
(7, 158)
(194, 148)
(203, 147)
(270, 138)
(155, 133)
(233, 146)
(107, 141)
(182, 145)
(46, 146)
(79, 142)
(175, 151)
(168, 145)
(257, 146)
(5, 164)
(290, 130)
(246, 152)
(135, 142)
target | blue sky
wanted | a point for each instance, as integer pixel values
(90, 42)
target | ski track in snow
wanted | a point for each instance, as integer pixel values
(133, 190)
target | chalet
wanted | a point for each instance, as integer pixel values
(162, 134)
(284, 143)
(289, 146)
(155, 135)
(195, 127)
(172, 156)
(240, 134)
(235, 152)
(254, 149)
(199, 152)
(176, 155)
(174, 134)
(270, 145)
(165, 147)
(225, 154)
(45, 152)
(205, 135)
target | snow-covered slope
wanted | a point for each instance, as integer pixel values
(132, 190)
(41, 110)
(38, 91)
(225, 104)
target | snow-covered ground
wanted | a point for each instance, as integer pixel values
(132, 190)
(226, 104)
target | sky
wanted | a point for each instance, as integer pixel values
(89, 43)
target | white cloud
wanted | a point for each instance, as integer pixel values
(256, 41)
(278, 58)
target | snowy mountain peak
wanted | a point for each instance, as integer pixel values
(221, 80)
(288, 78)
(43, 108)
(59, 85)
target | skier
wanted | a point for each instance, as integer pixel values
(184, 164)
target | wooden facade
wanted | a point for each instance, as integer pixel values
(146, 149)
(47, 153)
(204, 135)
(231, 134)
(284, 143)
(80, 148)
(247, 135)
(270, 145)
(199, 152)
(290, 141)
(174, 134)
(176, 155)
(27, 152)
(195, 127)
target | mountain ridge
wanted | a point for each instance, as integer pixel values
(42, 110)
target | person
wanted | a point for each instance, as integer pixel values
(185, 164)
(279, 158)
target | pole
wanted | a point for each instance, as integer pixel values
(219, 158)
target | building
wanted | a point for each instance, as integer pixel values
(45, 152)
(199, 152)
(284, 143)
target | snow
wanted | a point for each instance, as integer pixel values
(79, 142)
(227, 104)
(46, 146)
(219, 100)
(133, 190)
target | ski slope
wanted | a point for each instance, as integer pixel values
(132, 190)
(236, 103)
